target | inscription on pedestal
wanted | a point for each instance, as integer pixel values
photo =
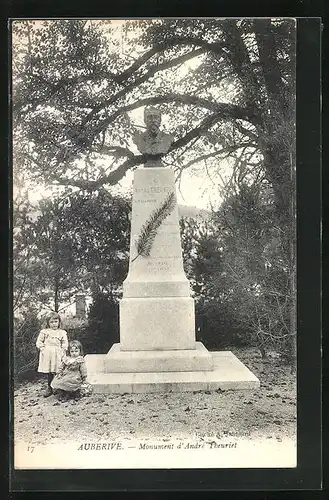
(145, 201)
(153, 189)
(166, 265)
(154, 195)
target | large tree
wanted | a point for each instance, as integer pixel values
(226, 87)
(75, 86)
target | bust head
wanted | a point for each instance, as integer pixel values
(152, 119)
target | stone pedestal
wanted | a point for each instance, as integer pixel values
(161, 323)
(179, 360)
(158, 350)
(156, 311)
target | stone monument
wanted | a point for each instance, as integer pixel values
(158, 350)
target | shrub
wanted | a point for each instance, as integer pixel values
(26, 331)
(102, 330)
(218, 326)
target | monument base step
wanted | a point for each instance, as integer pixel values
(228, 373)
(180, 360)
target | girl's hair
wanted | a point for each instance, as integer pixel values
(54, 315)
(77, 344)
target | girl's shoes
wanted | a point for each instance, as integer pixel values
(48, 392)
(63, 396)
(76, 395)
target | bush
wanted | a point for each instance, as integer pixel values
(77, 333)
(26, 331)
(102, 330)
(218, 326)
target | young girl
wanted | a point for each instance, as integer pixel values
(52, 343)
(72, 373)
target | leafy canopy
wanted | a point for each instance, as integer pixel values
(226, 88)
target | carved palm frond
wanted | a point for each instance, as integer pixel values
(150, 228)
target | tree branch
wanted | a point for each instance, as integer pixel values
(169, 43)
(228, 111)
(112, 178)
(241, 63)
(229, 149)
(223, 111)
(206, 124)
(139, 81)
(116, 151)
(243, 130)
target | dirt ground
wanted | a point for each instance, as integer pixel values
(269, 412)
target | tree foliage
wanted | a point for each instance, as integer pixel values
(227, 91)
(75, 87)
(77, 244)
(254, 271)
(202, 253)
(26, 330)
(102, 330)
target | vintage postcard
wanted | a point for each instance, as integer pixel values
(154, 243)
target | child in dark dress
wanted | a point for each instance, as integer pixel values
(72, 374)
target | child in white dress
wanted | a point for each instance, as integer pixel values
(52, 343)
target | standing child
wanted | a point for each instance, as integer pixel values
(73, 372)
(52, 343)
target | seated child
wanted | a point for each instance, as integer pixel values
(72, 374)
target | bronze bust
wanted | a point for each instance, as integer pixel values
(153, 143)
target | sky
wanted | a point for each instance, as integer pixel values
(197, 191)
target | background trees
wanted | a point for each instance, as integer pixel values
(227, 91)
(79, 244)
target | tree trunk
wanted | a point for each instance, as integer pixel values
(263, 352)
(56, 295)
